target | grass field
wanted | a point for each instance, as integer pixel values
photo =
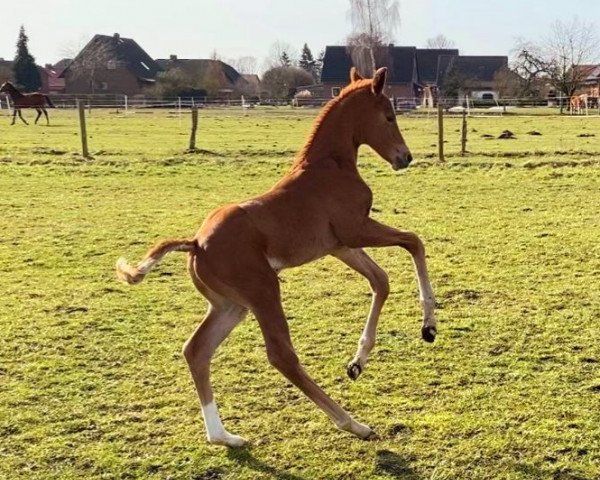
(92, 381)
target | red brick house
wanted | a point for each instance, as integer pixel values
(110, 64)
(52, 81)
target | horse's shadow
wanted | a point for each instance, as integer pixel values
(244, 456)
(391, 464)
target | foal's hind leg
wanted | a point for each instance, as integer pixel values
(14, 116)
(358, 260)
(39, 114)
(220, 320)
(46, 114)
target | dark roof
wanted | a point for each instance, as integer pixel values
(477, 68)
(428, 62)
(123, 50)
(336, 65)
(62, 64)
(402, 64)
(229, 76)
(400, 61)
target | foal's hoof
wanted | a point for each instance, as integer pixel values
(228, 440)
(428, 334)
(354, 370)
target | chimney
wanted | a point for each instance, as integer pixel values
(48, 66)
(116, 36)
(172, 57)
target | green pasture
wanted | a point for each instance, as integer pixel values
(92, 380)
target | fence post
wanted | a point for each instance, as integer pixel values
(463, 138)
(126, 103)
(194, 128)
(84, 144)
(440, 130)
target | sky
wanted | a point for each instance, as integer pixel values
(236, 28)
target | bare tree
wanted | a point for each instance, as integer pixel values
(374, 23)
(281, 54)
(245, 65)
(440, 41)
(561, 56)
(96, 58)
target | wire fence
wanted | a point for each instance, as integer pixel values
(403, 105)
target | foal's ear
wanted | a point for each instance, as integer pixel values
(354, 75)
(379, 80)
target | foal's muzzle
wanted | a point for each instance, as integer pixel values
(402, 160)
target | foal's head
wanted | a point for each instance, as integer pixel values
(378, 127)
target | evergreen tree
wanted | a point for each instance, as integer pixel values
(25, 70)
(285, 59)
(319, 65)
(307, 62)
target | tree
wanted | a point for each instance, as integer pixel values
(307, 61)
(282, 54)
(319, 65)
(560, 56)
(374, 23)
(26, 74)
(440, 41)
(282, 82)
(245, 65)
(176, 83)
(97, 57)
(285, 59)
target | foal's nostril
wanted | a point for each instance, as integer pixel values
(409, 158)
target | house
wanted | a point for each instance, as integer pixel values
(52, 81)
(210, 77)
(591, 80)
(255, 88)
(473, 76)
(110, 64)
(412, 70)
(6, 71)
(402, 80)
(418, 74)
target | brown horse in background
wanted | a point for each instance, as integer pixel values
(321, 207)
(26, 100)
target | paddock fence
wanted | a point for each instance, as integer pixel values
(402, 105)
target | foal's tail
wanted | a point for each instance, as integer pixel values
(48, 101)
(132, 275)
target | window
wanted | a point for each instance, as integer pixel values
(111, 65)
(103, 86)
(335, 91)
(487, 96)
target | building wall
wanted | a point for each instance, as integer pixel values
(117, 81)
(403, 90)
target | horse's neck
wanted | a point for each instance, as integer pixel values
(14, 93)
(330, 142)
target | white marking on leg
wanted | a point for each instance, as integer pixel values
(145, 266)
(215, 431)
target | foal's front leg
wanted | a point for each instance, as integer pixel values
(21, 117)
(374, 234)
(358, 260)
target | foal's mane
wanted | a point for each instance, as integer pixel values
(347, 91)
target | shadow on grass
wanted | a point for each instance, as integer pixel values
(243, 456)
(393, 465)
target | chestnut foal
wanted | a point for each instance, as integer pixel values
(321, 207)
